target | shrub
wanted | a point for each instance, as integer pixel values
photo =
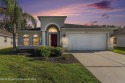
(52, 51)
(6, 50)
(56, 51)
(49, 51)
(43, 51)
(38, 50)
(59, 51)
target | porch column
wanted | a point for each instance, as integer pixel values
(44, 38)
(31, 40)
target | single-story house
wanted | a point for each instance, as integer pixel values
(5, 39)
(119, 37)
(78, 37)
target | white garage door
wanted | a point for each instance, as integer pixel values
(87, 41)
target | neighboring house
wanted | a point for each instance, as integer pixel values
(5, 39)
(78, 37)
(119, 38)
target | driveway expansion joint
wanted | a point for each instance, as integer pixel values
(112, 60)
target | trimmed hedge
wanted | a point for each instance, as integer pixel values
(46, 51)
(6, 51)
(56, 51)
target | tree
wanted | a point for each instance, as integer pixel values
(15, 17)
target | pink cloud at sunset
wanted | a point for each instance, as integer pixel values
(109, 12)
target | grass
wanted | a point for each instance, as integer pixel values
(21, 69)
(18, 67)
(120, 50)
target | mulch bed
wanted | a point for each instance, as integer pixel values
(62, 59)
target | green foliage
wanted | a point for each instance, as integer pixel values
(44, 51)
(14, 15)
(56, 51)
(59, 51)
(49, 51)
(6, 51)
(42, 71)
(120, 50)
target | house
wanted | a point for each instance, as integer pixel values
(5, 39)
(119, 38)
(78, 37)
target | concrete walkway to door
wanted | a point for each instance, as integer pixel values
(106, 66)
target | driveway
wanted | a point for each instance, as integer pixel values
(107, 66)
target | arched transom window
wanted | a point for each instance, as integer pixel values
(35, 40)
(26, 40)
(52, 29)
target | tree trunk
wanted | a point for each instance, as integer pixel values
(14, 38)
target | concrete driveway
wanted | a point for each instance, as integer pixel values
(107, 66)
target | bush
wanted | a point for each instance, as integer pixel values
(59, 51)
(43, 51)
(38, 50)
(6, 50)
(56, 51)
(50, 51)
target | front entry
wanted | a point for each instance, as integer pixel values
(53, 40)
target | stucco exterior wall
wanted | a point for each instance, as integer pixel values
(108, 33)
(6, 44)
(120, 40)
(30, 33)
(48, 20)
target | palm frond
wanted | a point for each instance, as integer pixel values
(2, 10)
(30, 18)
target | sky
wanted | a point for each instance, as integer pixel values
(84, 12)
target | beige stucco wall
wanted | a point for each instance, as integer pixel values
(5, 44)
(31, 33)
(120, 40)
(45, 21)
(108, 32)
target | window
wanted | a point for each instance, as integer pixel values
(115, 41)
(5, 39)
(35, 40)
(26, 40)
(52, 29)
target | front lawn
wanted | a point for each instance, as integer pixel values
(21, 69)
(120, 50)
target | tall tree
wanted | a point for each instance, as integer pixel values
(16, 18)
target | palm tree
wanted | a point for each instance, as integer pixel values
(16, 18)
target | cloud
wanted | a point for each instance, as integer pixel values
(101, 5)
(71, 10)
(91, 23)
(105, 15)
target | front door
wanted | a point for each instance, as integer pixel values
(54, 40)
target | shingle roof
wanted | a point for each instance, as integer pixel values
(4, 32)
(72, 26)
(34, 29)
(119, 32)
(83, 26)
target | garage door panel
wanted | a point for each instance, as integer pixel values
(88, 41)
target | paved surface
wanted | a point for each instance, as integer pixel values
(107, 66)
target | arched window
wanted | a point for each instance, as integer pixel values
(35, 40)
(52, 29)
(26, 40)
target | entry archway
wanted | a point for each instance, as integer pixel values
(53, 35)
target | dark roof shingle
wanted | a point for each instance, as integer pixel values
(119, 32)
(4, 32)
